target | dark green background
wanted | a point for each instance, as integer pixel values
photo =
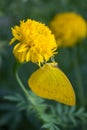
(11, 12)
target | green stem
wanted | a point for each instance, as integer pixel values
(78, 78)
(20, 83)
(27, 95)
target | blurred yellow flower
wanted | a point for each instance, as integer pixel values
(68, 28)
(36, 43)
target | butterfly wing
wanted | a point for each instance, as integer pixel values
(51, 83)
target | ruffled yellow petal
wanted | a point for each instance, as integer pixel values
(12, 40)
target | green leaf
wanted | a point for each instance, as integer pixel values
(73, 120)
(72, 110)
(46, 125)
(59, 109)
(80, 111)
(16, 97)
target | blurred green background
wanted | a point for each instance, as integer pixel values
(13, 118)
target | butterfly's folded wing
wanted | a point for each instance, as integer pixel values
(51, 83)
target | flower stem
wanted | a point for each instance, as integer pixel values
(20, 83)
(80, 87)
(28, 97)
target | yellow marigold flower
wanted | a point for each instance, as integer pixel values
(68, 28)
(51, 83)
(36, 43)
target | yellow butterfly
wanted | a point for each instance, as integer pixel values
(51, 83)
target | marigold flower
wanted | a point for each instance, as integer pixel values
(36, 43)
(68, 28)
